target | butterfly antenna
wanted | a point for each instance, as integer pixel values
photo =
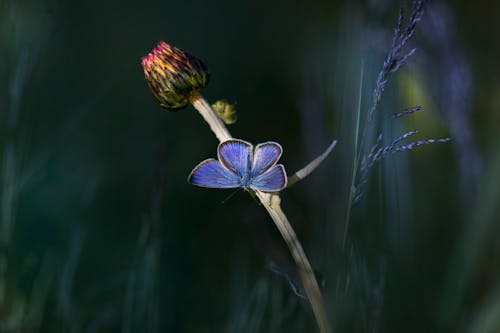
(230, 196)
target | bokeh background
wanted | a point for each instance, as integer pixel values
(100, 232)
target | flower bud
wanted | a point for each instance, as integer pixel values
(173, 75)
(226, 111)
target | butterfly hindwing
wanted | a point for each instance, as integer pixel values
(240, 166)
(265, 157)
(236, 155)
(272, 180)
(210, 173)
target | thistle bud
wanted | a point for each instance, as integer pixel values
(226, 111)
(173, 75)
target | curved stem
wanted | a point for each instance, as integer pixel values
(306, 171)
(272, 204)
(215, 123)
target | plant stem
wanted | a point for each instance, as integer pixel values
(357, 157)
(8, 211)
(272, 204)
(215, 123)
(306, 171)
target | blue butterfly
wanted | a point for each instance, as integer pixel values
(239, 165)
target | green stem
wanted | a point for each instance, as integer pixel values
(357, 156)
(8, 211)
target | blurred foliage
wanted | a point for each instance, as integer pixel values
(101, 232)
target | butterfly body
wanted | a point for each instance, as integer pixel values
(240, 165)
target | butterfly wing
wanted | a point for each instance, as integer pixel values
(236, 155)
(272, 180)
(210, 173)
(265, 157)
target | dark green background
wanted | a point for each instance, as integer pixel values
(107, 236)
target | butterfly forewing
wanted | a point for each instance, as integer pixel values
(240, 166)
(210, 173)
(236, 156)
(265, 157)
(270, 181)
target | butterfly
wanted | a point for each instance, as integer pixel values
(239, 165)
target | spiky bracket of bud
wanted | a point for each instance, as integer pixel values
(174, 75)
